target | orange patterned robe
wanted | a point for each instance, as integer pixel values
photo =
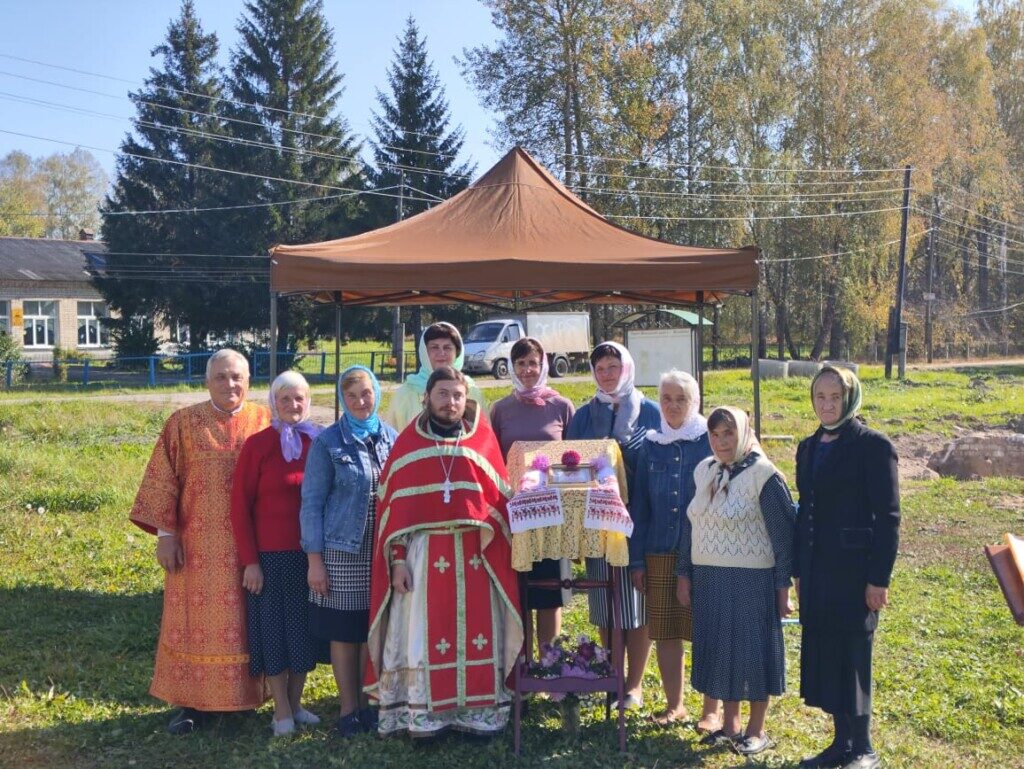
(202, 657)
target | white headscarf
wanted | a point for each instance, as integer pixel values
(540, 393)
(694, 424)
(625, 386)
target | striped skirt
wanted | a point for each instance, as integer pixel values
(631, 600)
(667, 619)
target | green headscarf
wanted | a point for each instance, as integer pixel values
(851, 393)
(419, 380)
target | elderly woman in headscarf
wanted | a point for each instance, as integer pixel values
(339, 513)
(620, 411)
(534, 412)
(662, 489)
(847, 537)
(440, 345)
(734, 572)
(265, 501)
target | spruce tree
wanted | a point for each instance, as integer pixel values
(415, 148)
(284, 87)
(152, 268)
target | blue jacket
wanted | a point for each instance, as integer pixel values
(661, 492)
(336, 488)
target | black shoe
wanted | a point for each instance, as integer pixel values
(751, 745)
(369, 719)
(347, 726)
(186, 721)
(832, 757)
(864, 761)
(720, 737)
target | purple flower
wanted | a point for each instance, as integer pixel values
(541, 462)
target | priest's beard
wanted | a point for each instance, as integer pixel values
(446, 418)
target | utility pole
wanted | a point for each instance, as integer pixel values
(397, 332)
(929, 296)
(897, 342)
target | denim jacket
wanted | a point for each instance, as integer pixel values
(661, 492)
(336, 488)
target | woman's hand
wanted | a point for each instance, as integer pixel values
(316, 576)
(401, 578)
(252, 578)
(683, 591)
(639, 579)
(877, 598)
(782, 599)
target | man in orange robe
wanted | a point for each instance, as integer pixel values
(202, 657)
(445, 628)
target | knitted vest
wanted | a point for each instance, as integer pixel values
(729, 530)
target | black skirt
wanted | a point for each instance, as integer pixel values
(350, 627)
(278, 627)
(542, 597)
(835, 671)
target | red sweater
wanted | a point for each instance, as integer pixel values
(266, 495)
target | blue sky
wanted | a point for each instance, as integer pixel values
(114, 38)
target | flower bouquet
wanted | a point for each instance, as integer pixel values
(564, 658)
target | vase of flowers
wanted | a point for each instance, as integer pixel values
(567, 658)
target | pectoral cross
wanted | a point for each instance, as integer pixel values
(446, 489)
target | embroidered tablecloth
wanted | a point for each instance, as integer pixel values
(571, 539)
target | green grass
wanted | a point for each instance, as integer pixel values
(80, 597)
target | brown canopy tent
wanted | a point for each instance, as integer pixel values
(516, 237)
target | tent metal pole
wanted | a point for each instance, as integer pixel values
(699, 363)
(755, 368)
(273, 335)
(337, 353)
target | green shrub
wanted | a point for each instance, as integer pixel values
(133, 338)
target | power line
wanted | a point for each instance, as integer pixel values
(753, 218)
(842, 253)
(978, 214)
(965, 226)
(795, 169)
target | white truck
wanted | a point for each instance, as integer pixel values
(564, 335)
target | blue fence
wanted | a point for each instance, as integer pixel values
(164, 370)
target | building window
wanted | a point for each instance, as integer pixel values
(40, 322)
(5, 317)
(92, 331)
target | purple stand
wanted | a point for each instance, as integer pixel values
(614, 684)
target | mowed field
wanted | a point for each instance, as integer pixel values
(80, 595)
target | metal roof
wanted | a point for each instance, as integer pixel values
(690, 318)
(47, 260)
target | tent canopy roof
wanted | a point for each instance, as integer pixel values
(515, 236)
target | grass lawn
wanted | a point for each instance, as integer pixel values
(80, 595)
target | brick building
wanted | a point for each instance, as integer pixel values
(47, 298)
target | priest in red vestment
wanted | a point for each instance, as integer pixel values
(445, 628)
(202, 657)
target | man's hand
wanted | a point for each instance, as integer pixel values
(639, 579)
(785, 605)
(316, 576)
(401, 578)
(877, 598)
(252, 578)
(683, 591)
(169, 553)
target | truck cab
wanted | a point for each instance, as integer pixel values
(488, 346)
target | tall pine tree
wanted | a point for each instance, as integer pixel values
(415, 148)
(152, 268)
(285, 88)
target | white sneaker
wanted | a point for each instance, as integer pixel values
(304, 717)
(283, 727)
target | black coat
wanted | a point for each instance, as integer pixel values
(847, 527)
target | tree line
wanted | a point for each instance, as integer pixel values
(712, 122)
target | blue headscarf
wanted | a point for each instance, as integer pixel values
(361, 428)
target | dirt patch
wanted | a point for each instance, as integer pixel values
(913, 451)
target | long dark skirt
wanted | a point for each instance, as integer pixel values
(738, 651)
(278, 623)
(540, 597)
(835, 671)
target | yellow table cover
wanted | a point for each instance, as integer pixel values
(570, 540)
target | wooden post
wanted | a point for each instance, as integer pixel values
(895, 337)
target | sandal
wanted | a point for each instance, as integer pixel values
(720, 737)
(666, 719)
